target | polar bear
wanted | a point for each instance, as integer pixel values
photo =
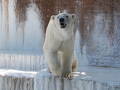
(59, 44)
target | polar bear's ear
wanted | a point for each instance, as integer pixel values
(53, 17)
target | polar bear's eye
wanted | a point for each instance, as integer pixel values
(66, 16)
(73, 15)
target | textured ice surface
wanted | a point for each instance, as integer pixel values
(20, 36)
(16, 80)
(101, 49)
(27, 62)
(92, 79)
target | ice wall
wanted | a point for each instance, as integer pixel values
(99, 31)
(102, 46)
(20, 36)
(21, 39)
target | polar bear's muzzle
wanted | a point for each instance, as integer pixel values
(62, 22)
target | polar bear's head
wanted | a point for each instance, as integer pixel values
(64, 20)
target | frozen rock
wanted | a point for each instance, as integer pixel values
(82, 81)
(16, 80)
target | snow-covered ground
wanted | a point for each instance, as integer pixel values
(89, 78)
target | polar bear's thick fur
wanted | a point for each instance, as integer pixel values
(59, 44)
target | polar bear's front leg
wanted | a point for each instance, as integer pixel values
(67, 65)
(53, 63)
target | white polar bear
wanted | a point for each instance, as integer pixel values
(59, 44)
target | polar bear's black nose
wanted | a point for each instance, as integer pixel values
(61, 19)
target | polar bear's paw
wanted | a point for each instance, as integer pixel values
(67, 76)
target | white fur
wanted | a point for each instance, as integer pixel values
(59, 45)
